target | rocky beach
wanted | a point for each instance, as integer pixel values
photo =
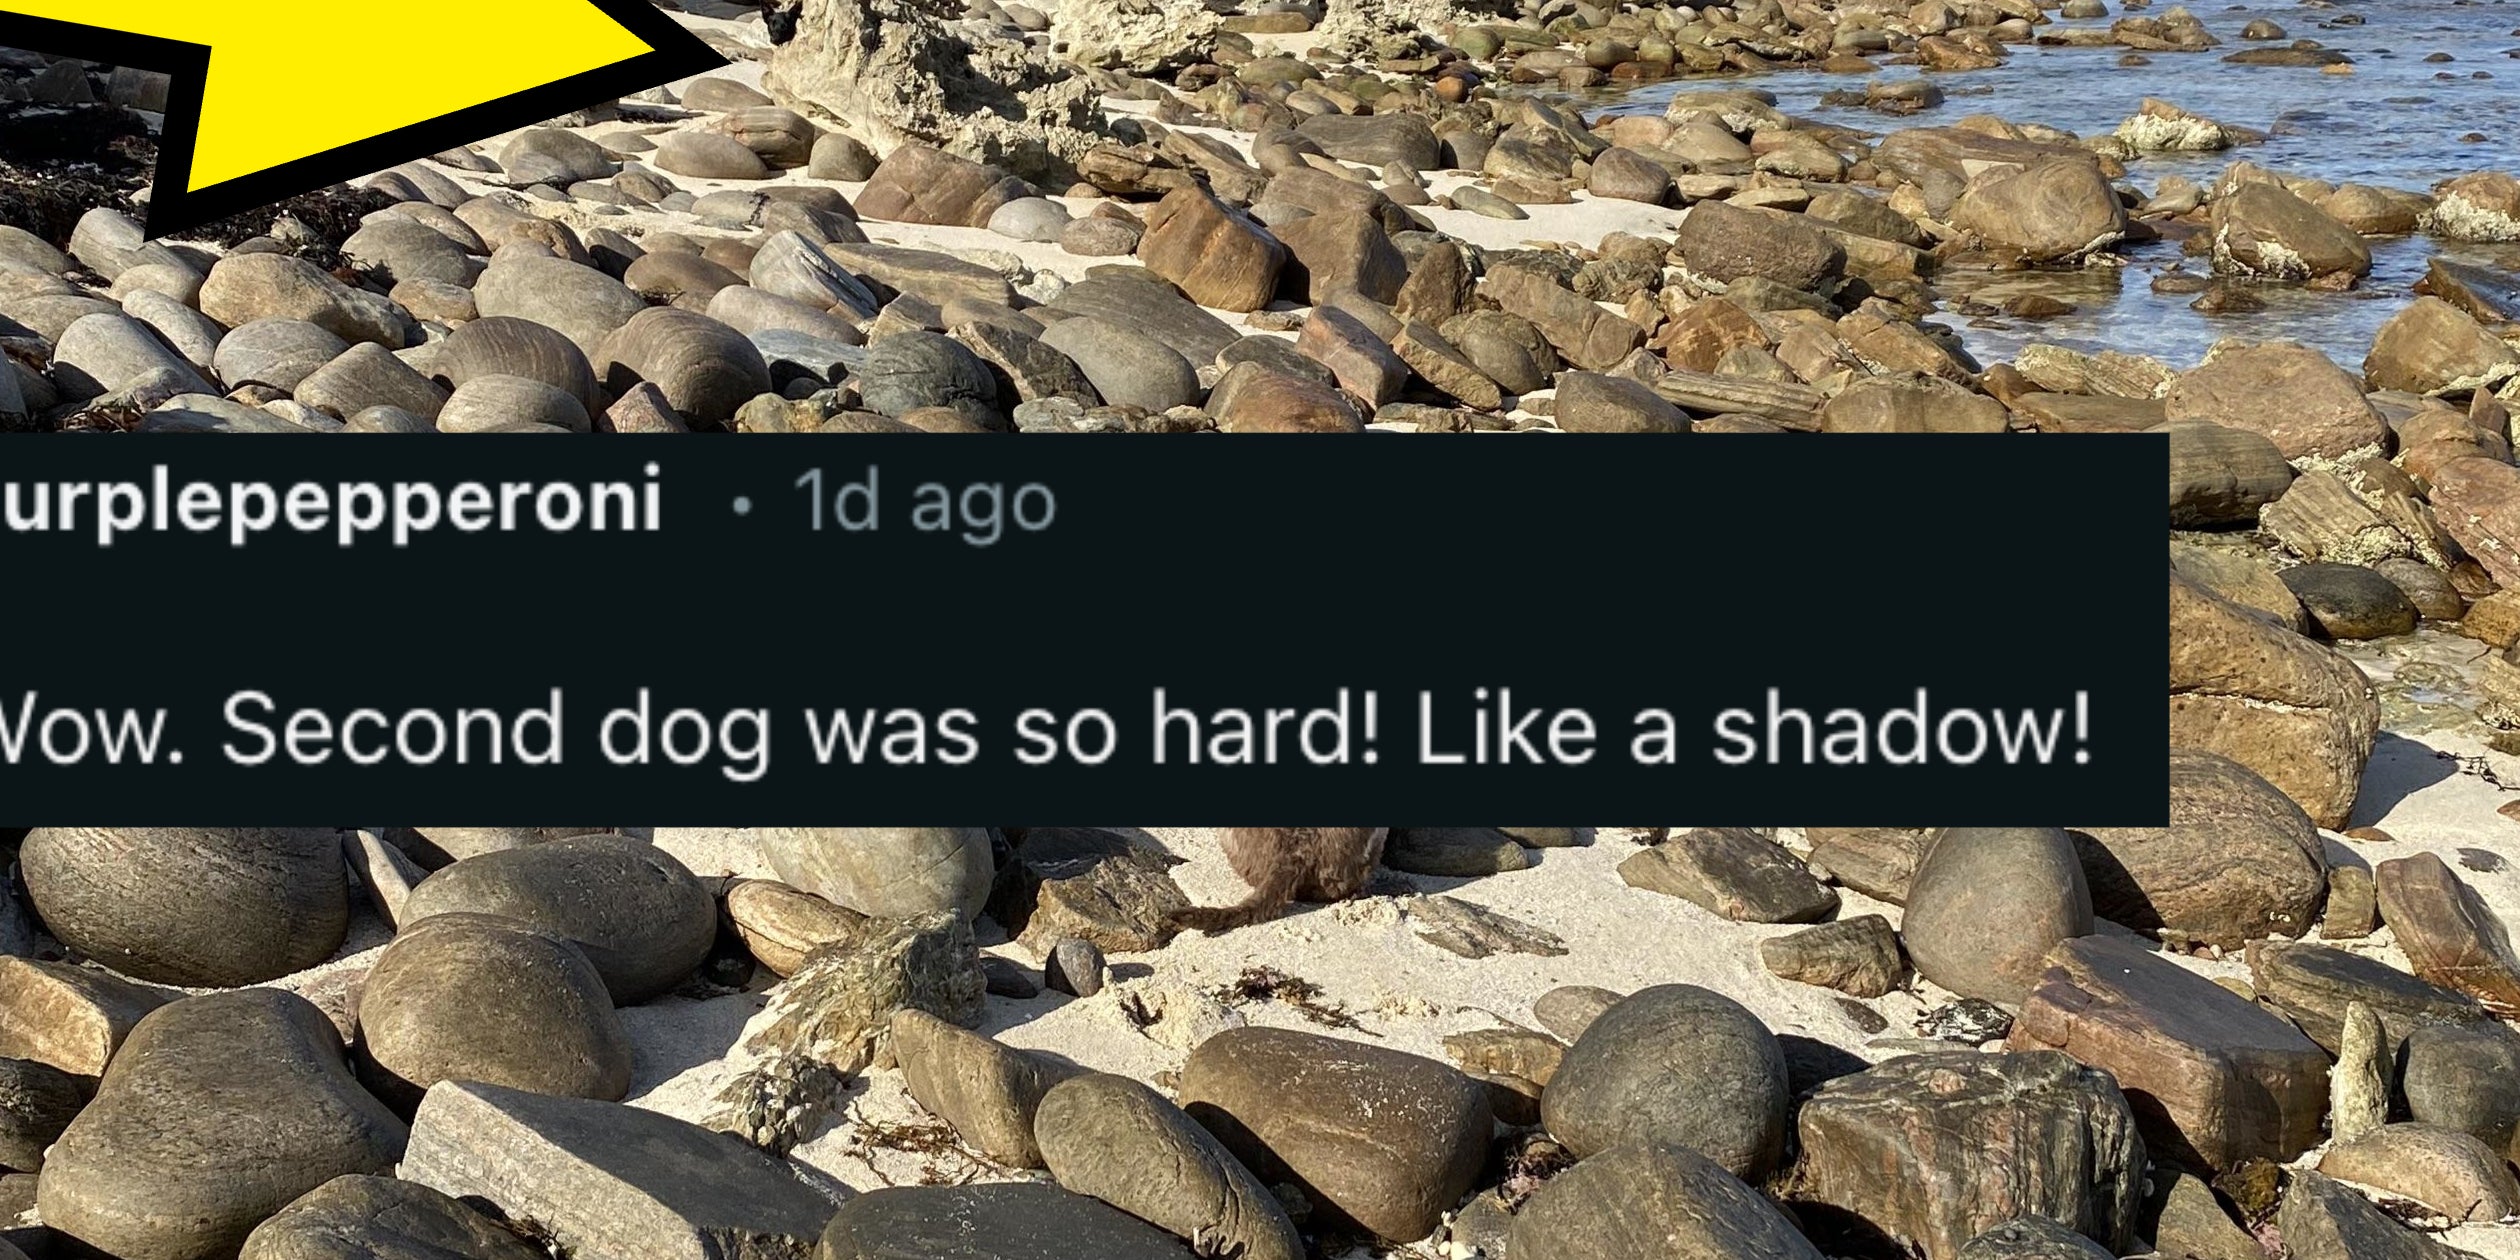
(2282, 238)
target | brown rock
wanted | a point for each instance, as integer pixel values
(1875, 861)
(2477, 501)
(1341, 251)
(2449, 934)
(1722, 242)
(1593, 402)
(2315, 985)
(2213, 1079)
(1734, 872)
(2262, 230)
(2292, 394)
(1215, 255)
(70, 1017)
(2239, 860)
(1859, 956)
(1922, 404)
(2448, 1171)
(1386, 1139)
(1591, 338)
(2293, 711)
(1362, 362)
(2221, 475)
(2432, 346)
(919, 184)
(2052, 210)
(987, 1090)
(1987, 905)
(1256, 398)
(1928, 1151)
(1445, 367)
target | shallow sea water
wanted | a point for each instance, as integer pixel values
(2398, 121)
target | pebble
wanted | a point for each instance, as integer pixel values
(1076, 968)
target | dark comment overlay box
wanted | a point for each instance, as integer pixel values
(1753, 630)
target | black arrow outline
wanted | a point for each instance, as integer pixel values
(673, 53)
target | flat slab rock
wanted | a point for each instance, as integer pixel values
(990, 1222)
(607, 1181)
(1734, 872)
(2214, 1078)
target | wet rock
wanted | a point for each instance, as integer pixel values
(2434, 347)
(606, 1181)
(2480, 206)
(2449, 934)
(2221, 475)
(2321, 1220)
(381, 1218)
(1386, 1139)
(1734, 872)
(189, 905)
(2213, 1079)
(2262, 230)
(2293, 395)
(2239, 860)
(2294, 712)
(1652, 1201)
(474, 998)
(989, 1222)
(1926, 1152)
(1217, 256)
(988, 1091)
(1987, 904)
(637, 915)
(219, 1111)
(1674, 1063)
(2052, 210)
(1859, 956)
(1121, 1142)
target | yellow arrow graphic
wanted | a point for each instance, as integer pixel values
(276, 97)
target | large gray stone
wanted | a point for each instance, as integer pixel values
(606, 1181)
(636, 913)
(219, 1111)
(191, 905)
(1674, 1064)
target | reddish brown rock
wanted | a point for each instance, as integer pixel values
(1254, 398)
(2292, 394)
(2433, 346)
(2477, 501)
(2449, 934)
(1364, 365)
(2294, 711)
(919, 184)
(1219, 258)
(2213, 1078)
(1341, 251)
(1875, 861)
(1928, 1151)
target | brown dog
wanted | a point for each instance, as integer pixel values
(1283, 864)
